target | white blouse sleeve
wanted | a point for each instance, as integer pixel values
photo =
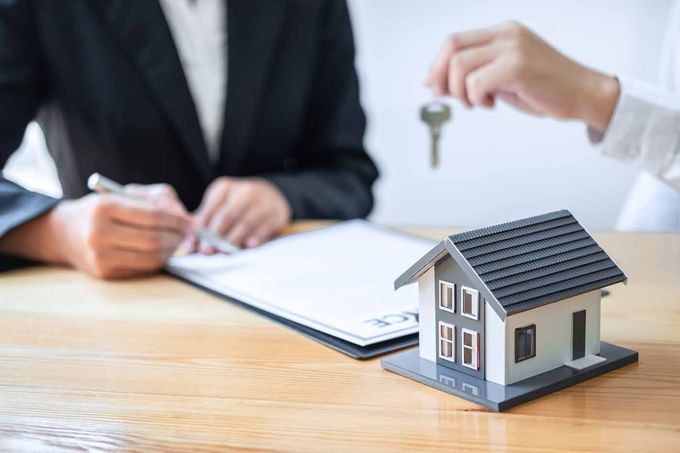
(644, 130)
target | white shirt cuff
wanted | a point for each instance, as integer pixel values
(644, 129)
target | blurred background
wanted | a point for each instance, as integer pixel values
(495, 165)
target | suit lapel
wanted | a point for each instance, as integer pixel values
(142, 31)
(252, 29)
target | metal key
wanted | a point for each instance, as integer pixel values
(434, 114)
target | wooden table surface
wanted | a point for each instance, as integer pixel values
(155, 364)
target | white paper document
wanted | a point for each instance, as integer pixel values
(338, 280)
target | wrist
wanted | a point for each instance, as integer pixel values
(600, 94)
(56, 233)
(38, 239)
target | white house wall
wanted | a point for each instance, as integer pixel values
(495, 346)
(427, 316)
(553, 335)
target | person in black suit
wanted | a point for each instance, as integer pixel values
(105, 81)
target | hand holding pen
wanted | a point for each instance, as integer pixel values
(108, 235)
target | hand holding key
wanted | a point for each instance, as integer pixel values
(512, 63)
(435, 114)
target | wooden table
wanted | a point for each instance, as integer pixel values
(155, 364)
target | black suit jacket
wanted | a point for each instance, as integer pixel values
(105, 81)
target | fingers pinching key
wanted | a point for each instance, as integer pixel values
(435, 114)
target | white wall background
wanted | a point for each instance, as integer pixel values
(496, 165)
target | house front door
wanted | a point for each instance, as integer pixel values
(578, 334)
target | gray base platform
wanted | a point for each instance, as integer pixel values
(501, 397)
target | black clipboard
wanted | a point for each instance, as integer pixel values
(346, 347)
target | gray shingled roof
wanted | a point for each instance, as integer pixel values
(527, 263)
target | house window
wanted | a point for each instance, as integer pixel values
(446, 296)
(525, 343)
(447, 342)
(471, 349)
(469, 302)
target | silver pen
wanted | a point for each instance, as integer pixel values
(101, 184)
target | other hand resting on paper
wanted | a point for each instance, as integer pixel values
(246, 211)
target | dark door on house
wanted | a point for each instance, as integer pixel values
(578, 334)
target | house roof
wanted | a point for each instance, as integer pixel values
(527, 263)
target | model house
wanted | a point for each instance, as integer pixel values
(512, 301)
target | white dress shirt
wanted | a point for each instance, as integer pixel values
(198, 28)
(645, 131)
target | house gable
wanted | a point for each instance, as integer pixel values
(439, 252)
(421, 266)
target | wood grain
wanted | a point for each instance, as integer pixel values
(156, 365)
